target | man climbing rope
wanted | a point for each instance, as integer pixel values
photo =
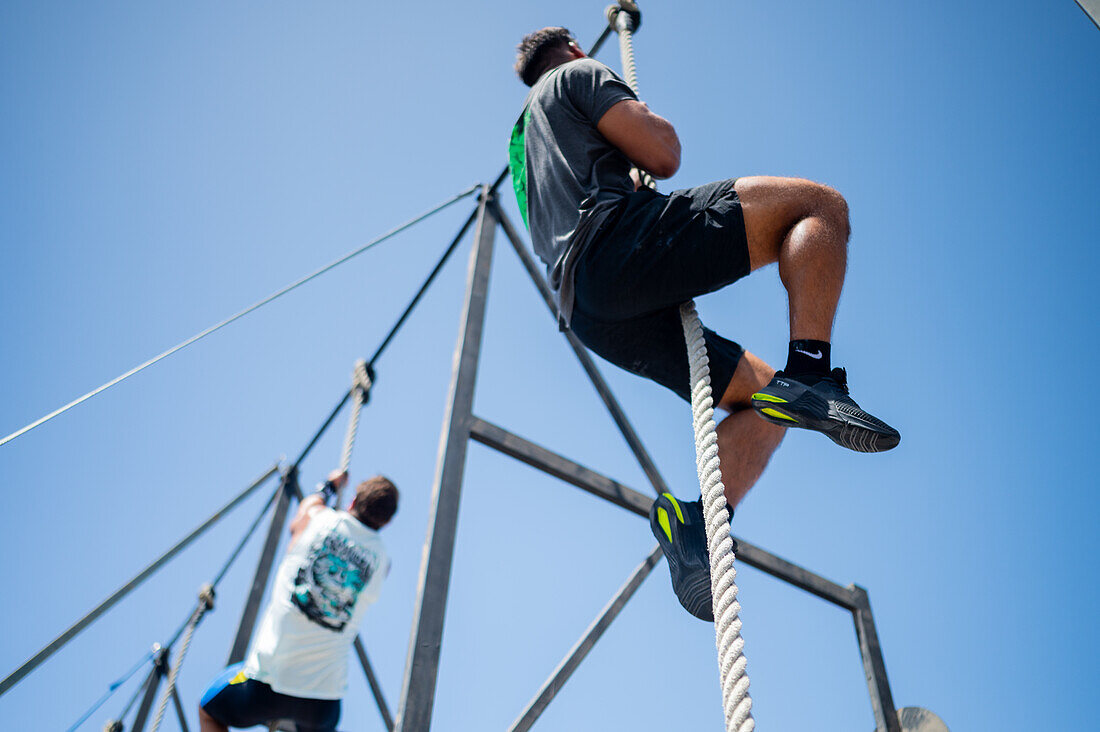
(297, 665)
(622, 258)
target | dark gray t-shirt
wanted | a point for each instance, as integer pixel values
(567, 175)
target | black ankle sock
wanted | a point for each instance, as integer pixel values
(808, 357)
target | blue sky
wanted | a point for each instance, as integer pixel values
(163, 167)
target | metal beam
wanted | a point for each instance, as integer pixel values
(263, 567)
(791, 573)
(580, 650)
(874, 666)
(426, 639)
(58, 643)
(611, 490)
(179, 710)
(423, 288)
(612, 404)
(595, 48)
(852, 598)
(1092, 9)
(152, 684)
(548, 462)
(375, 688)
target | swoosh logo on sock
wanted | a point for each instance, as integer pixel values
(817, 354)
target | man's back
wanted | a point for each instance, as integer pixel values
(324, 585)
(564, 169)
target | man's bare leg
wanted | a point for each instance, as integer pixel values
(745, 442)
(209, 724)
(804, 227)
(745, 445)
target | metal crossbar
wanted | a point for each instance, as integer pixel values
(579, 651)
(15, 676)
(461, 426)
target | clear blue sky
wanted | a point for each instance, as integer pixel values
(163, 167)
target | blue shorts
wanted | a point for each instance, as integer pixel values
(653, 254)
(238, 701)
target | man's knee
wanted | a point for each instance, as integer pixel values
(774, 207)
(824, 203)
(834, 208)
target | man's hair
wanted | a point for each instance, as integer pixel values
(535, 52)
(375, 502)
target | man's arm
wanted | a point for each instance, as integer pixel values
(311, 504)
(649, 140)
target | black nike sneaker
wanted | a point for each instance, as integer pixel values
(682, 534)
(822, 404)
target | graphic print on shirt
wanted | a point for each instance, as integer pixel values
(328, 584)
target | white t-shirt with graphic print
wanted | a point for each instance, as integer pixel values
(323, 587)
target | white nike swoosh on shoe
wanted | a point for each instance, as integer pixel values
(817, 354)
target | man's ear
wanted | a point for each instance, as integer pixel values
(575, 51)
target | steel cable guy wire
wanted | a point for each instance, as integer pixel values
(199, 336)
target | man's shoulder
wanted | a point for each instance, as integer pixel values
(571, 72)
(360, 530)
(585, 67)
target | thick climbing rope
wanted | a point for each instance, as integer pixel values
(625, 24)
(625, 19)
(736, 702)
(360, 390)
(206, 602)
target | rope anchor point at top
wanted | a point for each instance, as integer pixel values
(626, 15)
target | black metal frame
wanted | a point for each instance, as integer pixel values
(16, 676)
(461, 425)
(157, 674)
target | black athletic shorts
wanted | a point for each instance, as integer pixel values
(238, 701)
(653, 254)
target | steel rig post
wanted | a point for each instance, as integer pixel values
(426, 639)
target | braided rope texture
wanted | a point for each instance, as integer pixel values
(736, 702)
(360, 382)
(630, 76)
(206, 601)
(626, 50)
